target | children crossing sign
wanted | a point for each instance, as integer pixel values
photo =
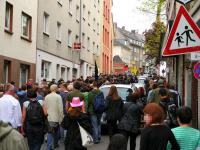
(184, 36)
(184, 1)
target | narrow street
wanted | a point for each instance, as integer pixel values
(102, 146)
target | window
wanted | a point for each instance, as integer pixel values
(6, 71)
(97, 28)
(104, 6)
(46, 23)
(70, 7)
(95, 3)
(97, 49)
(88, 43)
(70, 38)
(77, 39)
(93, 46)
(60, 2)
(108, 16)
(94, 24)
(63, 73)
(45, 67)
(84, 10)
(9, 17)
(89, 18)
(83, 40)
(24, 70)
(26, 26)
(77, 13)
(58, 31)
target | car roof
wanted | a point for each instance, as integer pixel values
(117, 85)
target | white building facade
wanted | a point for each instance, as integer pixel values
(18, 23)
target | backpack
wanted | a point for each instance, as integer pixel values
(35, 114)
(99, 103)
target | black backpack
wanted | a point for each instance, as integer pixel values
(35, 114)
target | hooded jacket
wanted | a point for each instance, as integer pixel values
(10, 139)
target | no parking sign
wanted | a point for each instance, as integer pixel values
(197, 71)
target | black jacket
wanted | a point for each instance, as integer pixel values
(131, 119)
(73, 139)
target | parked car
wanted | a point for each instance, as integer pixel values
(123, 93)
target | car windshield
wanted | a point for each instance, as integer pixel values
(122, 91)
(141, 81)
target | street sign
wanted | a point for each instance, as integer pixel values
(196, 71)
(184, 1)
(195, 56)
(184, 36)
(77, 46)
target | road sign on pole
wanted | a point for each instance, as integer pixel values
(184, 36)
(184, 1)
(196, 71)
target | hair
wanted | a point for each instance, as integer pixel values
(2, 88)
(65, 85)
(31, 93)
(9, 87)
(155, 111)
(163, 92)
(53, 88)
(97, 84)
(23, 87)
(77, 85)
(118, 142)
(75, 111)
(184, 114)
(113, 92)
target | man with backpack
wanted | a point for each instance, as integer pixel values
(33, 120)
(96, 106)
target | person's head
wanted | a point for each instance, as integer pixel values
(77, 85)
(31, 94)
(2, 88)
(70, 87)
(117, 142)
(96, 84)
(9, 87)
(75, 107)
(113, 92)
(163, 93)
(23, 87)
(53, 88)
(153, 113)
(184, 115)
(160, 83)
(63, 87)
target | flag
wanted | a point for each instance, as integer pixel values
(96, 71)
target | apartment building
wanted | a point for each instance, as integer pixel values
(106, 58)
(91, 35)
(18, 22)
(61, 27)
(129, 46)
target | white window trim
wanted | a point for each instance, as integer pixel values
(46, 23)
(59, 32)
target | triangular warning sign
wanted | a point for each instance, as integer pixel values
(184, 36)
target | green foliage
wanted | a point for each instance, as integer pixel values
(152, 38)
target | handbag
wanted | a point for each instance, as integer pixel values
(87, 139)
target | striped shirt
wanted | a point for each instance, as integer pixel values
(188, 138)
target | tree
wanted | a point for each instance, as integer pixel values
(152, 38)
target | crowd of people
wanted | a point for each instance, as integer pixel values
(57, 110)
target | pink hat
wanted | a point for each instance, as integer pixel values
(76, 102)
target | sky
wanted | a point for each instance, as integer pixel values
(125, 13)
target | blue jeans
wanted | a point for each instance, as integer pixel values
(52, 138)
(96, 127)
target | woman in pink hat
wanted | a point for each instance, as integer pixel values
(75, 115)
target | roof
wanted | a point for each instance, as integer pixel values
(116, 58)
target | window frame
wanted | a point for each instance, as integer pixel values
(59, 32)
(46, 23)
(29, 20)
(9, 29)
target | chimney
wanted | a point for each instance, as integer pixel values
(133, 31)
(123, 27)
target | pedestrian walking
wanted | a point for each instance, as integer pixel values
(155, 135)
(75, 93)
(187, 137)
(10, 139)
(118, 142)
(54, 106)
(130, 122)
(96, 106)
(22, 95)
(33, 120)
(70, 122)
(10, 110)
(114, 110)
